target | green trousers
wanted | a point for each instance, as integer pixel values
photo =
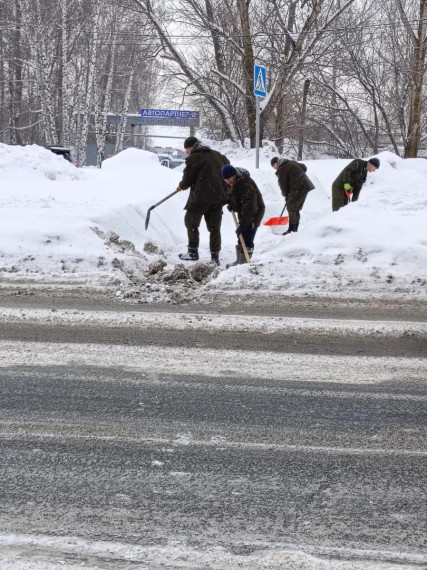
(294, 204)
(213, 219)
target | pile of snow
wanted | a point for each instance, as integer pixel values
(87, 226)
(33, 162)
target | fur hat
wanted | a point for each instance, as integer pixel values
(228, 171)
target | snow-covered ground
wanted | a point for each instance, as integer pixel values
(85, 227)
(52, 553)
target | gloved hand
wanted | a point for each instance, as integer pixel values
(238, 231)
(348, 190)
(229, 208)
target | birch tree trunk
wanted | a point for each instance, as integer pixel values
(64, 94)
(45, 68)
(88, 100)
(15, 78)
(121, 128)
(101, 111)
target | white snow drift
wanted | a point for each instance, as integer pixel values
(57, 222)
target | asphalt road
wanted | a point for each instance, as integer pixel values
(227, 462)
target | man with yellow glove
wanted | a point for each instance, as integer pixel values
(347, 186)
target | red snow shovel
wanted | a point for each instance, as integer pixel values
(280, 221)
(147, 217)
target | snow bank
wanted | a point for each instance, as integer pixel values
(33, 162)
(69, 225)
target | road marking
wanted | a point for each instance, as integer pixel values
(213, 322)
(212, 363)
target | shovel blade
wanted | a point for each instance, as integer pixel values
(147, 218)
(280, 221)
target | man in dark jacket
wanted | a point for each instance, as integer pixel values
(244, 198)
(202, 174)
(295, 185)
(349, 182)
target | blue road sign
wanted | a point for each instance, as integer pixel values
(168, 114)
(260, 81)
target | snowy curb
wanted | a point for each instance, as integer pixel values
(52, 553)
(213, 322)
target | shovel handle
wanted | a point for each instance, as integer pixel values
(164, 199)
(242, 241)
(147, 217)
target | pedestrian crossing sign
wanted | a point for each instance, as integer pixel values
(260, 81)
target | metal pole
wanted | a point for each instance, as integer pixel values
(257, 129)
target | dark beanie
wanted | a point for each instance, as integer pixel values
(228, 171)
(190, 141)
(375, 162)
(274, 160)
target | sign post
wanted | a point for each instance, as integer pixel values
(260, 90)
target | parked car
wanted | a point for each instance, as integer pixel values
(172, 163)
(62, 151)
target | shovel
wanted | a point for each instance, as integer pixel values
(147, 217)
(280, 221)
(242, 241)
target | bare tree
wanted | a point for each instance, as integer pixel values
(15, 76)
(418, 41)
(64, 65)
(88, 102)
(123, 120)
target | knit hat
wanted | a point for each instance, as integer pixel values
(274, 160)
(375, 162)
(228, 171)
(190, 142)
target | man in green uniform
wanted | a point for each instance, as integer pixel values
(294, 185)
(202, 174)
(349, 182)
(245, 199)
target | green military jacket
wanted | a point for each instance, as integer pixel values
(202, 174)
(293, 180)
(354, 174)
(245, 198)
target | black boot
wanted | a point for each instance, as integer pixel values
(191, 255)
(215, 257)
(292, 228)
